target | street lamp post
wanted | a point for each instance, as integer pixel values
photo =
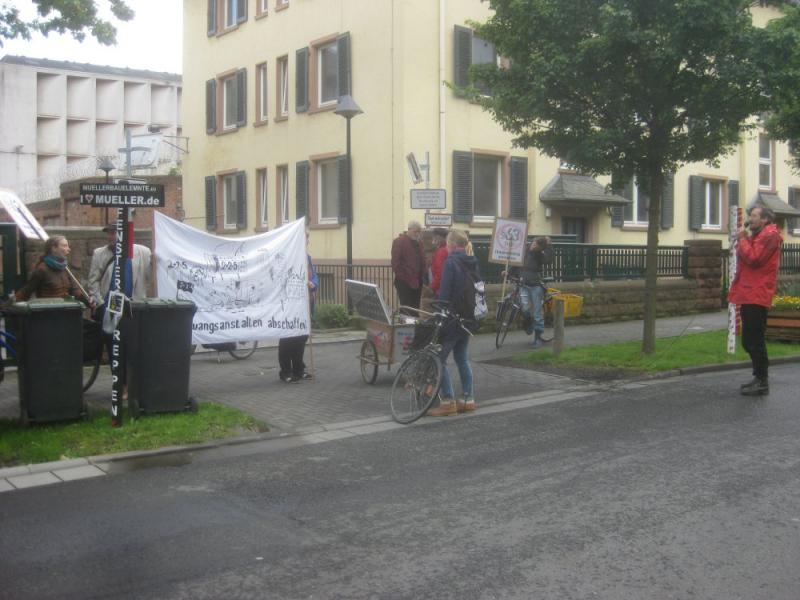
(106, 165)
(346, 107)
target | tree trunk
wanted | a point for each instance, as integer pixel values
(651, 262)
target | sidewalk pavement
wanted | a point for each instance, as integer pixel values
(337, 403)
(338, 394)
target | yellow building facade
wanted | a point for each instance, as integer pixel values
(262, 79)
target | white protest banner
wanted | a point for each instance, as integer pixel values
(508, 242)
(24, 219)
(247, 288)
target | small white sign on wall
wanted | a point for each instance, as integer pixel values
(438, 220)
(427, 199)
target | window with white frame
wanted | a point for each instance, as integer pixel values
(636, 211)
(487, 186)
(230, 12)
(261, 178)
(281, 3)
(229, 201)
(712, 218)
(263, 6)
(328, 74)
(328, 191)
(283, 193)
(262, 91)
(229, 103)
(764, 162)
(283, 86)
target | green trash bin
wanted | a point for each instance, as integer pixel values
(50, 356)
(158, 355)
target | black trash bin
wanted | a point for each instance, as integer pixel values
(159, 350)
(50, 356)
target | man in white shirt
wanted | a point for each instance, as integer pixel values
(101, 269)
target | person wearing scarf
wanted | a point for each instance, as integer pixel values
(50, 278)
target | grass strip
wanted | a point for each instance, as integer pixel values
(56, 441)
(688, 350)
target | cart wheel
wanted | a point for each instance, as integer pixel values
(369, 362)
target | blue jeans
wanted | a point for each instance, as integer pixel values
(458, 343)
(532, 297)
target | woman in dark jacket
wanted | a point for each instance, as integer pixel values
(50, 278)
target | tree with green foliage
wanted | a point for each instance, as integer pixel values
(627, 88)
(782, 48)
(77, 17)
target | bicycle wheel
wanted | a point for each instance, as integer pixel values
(243, 350)
(369, 362)
(415, 387)
(509, 318)
(90, 371)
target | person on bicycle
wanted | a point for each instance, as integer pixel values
(532, 291)
(458, 277)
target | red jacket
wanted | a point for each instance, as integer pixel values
(408, 262)
(437, 267)
(758, 258)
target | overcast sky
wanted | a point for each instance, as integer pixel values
(152, 40)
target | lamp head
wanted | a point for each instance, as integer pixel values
(346, 107)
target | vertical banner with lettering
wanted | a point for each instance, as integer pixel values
(735, 221)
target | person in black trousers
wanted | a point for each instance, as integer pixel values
(291, 349)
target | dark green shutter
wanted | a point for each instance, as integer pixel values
(301, 189)
(212, 17)
(519, 188)
(344, 186)
(617, 212)
(241, 200)
(345, 68)
(733, 193)
(241, 97)
(241, 11)
(794, 202)
(627, 192)
(462, 54)
(462, 187)
(668, 202)
(697, 202)
(211, 106)
(301, 80)
(211, 203)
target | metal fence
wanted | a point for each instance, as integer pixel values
(332, 288)
(578, 262)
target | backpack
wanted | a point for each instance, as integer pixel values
(472, 303)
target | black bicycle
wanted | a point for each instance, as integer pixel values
(419, 378)
(238, 350)
(510, 307)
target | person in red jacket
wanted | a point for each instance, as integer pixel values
(408, 264)
(437, 261)
(758, 256)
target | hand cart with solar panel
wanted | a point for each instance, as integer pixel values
(389, 335)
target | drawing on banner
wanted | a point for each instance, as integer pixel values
(244, 289)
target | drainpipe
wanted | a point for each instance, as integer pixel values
(442, 91)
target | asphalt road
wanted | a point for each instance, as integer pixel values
(677, 489)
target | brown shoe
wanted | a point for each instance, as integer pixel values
(469, 404)
(460, 406)
(445, 409)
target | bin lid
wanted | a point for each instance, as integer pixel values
(44, 305)
(163, 304)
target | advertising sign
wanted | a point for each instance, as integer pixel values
(146, 195)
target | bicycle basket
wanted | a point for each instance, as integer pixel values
(423, 335)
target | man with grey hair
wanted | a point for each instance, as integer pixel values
(758, 256)
(408, 264)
